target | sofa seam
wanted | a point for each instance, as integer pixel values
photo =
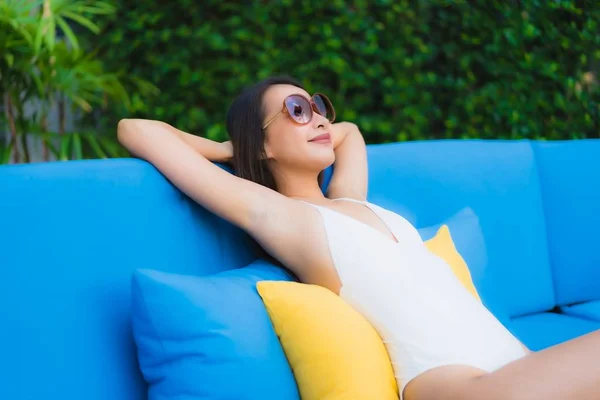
(533, 147)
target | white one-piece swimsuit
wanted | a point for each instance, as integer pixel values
(424, 315)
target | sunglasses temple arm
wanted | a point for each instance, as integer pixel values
(272, 119)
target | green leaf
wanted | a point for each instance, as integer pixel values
(38, 84)
(10, 59)
(77, 146)
(98, 8)
(6, 153)
(91, 139)
(112, 148)
(65, 141)
(81, 102)
(51, 33)
(83, 21)
(68, 33)
(50, 145)
(39, 35)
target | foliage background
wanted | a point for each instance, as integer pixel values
(402, 70)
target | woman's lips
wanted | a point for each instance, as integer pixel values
(323, 139)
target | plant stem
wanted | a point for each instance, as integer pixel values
(44, 120)
(44, 126)
(22, 126)
(12, 127)
(26, 156)
(46, 9)
(61, 114)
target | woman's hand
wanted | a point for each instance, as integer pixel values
(350, 174)
(228, 151)
(209, 149)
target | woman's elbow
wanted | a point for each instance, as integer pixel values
(128, 134)
(130, 128)
(125, 127)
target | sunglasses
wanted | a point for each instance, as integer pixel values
(300, 109)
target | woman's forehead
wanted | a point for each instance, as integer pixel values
(277, 93)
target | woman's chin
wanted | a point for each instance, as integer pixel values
(325, 163)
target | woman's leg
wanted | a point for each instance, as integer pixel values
(570, 370)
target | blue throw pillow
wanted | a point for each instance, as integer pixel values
(470, 243)
(209, 337)
(467, 237)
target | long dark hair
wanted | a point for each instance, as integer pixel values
(245, 118)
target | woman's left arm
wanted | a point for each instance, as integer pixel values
(350, 171)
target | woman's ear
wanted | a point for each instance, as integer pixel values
(268, 153)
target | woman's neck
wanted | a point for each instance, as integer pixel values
(299, 184)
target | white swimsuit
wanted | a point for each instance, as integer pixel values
(424, 315)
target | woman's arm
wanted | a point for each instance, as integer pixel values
(274, 220)
(350, 173)
(211, 150)
(186, 162)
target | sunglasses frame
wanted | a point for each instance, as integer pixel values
(312, 104)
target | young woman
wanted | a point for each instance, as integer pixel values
(443, 343)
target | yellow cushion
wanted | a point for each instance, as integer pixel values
(443, 246)
(334, 352)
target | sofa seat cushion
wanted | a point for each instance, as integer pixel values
(539, 331)
(588, 310)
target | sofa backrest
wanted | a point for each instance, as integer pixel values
(427, 182)
(71, 236)
(570, 181)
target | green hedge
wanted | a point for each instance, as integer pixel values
(402, 70)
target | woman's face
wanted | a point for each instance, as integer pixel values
(289, 143)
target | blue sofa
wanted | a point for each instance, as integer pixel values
(73, 233)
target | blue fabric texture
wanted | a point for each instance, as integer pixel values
(539, 331)
(588, 310)
(569, 183)
(209, 337)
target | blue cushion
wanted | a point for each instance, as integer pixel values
(469, 241)
(209, 337)
(427, 181)
(588, 310)
(569, 184)
(538, 331)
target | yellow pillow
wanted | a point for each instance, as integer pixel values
(443, 246)
(334, 352)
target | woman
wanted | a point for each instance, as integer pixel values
(443, 343)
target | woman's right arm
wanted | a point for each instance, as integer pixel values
(211, 150)
(277, 222)
(186, 164)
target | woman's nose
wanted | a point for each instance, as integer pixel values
(320, 121)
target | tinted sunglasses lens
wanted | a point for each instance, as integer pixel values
(324, 106)
(299, 109)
